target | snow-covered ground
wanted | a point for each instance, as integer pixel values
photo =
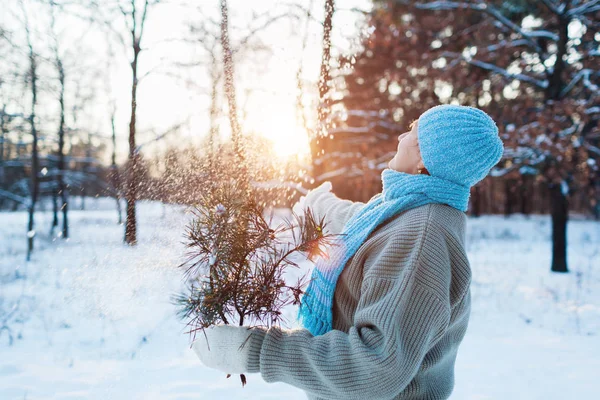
(95, 319)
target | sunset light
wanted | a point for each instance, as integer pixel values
(288, 138)
(208, 199)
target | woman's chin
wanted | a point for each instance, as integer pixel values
(394, 166)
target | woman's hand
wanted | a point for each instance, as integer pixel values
(227, 348)
(300, 206)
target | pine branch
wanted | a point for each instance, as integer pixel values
(235, 261)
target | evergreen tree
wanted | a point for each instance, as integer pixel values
(516, 60)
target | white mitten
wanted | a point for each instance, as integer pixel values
(300, 206)
(225, 347)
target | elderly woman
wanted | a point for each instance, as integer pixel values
(385, 313)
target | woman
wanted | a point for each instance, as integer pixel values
(386, 312)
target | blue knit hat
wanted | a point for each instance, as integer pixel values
(458, 143)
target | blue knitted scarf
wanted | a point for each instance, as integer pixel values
(401, 192)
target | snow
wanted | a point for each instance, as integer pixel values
(95, 319)
(593, 110)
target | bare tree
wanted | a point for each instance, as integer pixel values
(134, 15)
(114, 170)
(3, 139)
(60, 69)
(3, 128)
(33, 81)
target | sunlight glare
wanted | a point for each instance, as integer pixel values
(288, 138)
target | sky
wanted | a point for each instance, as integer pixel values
(265, 80)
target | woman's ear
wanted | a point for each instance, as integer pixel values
(421, 167)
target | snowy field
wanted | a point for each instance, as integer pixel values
(95, 321)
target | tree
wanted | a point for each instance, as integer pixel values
(133, 14)
(114, 170)
(136, 45)
(60, 69)
(33, 81)
(546, 52)
(500, 56)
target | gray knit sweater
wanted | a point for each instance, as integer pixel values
(401, 309)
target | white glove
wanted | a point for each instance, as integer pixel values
(300, 206)
(225, 347)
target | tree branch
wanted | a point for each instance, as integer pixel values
(499, 70)
(163, 135)
(506, 44)
(257, 29)
(143, 21)
(586, 8)
(493, 12)
(125, 16)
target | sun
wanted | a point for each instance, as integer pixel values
(294, 142)
(288, 138)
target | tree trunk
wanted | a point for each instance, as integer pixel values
(86, 170)
(62, 190)
(525, 193)
(114, 171)
(54, 208)
(559, 211)
(34, 148)
(492, 197)
(3, 132)
(559, 208)
(476, 203)
(596, 194)
(508, 198)
(131, 195)
(556, 78)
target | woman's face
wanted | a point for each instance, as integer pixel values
(408, 157)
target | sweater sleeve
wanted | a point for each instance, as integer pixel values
(336, 211)
(397, 321)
